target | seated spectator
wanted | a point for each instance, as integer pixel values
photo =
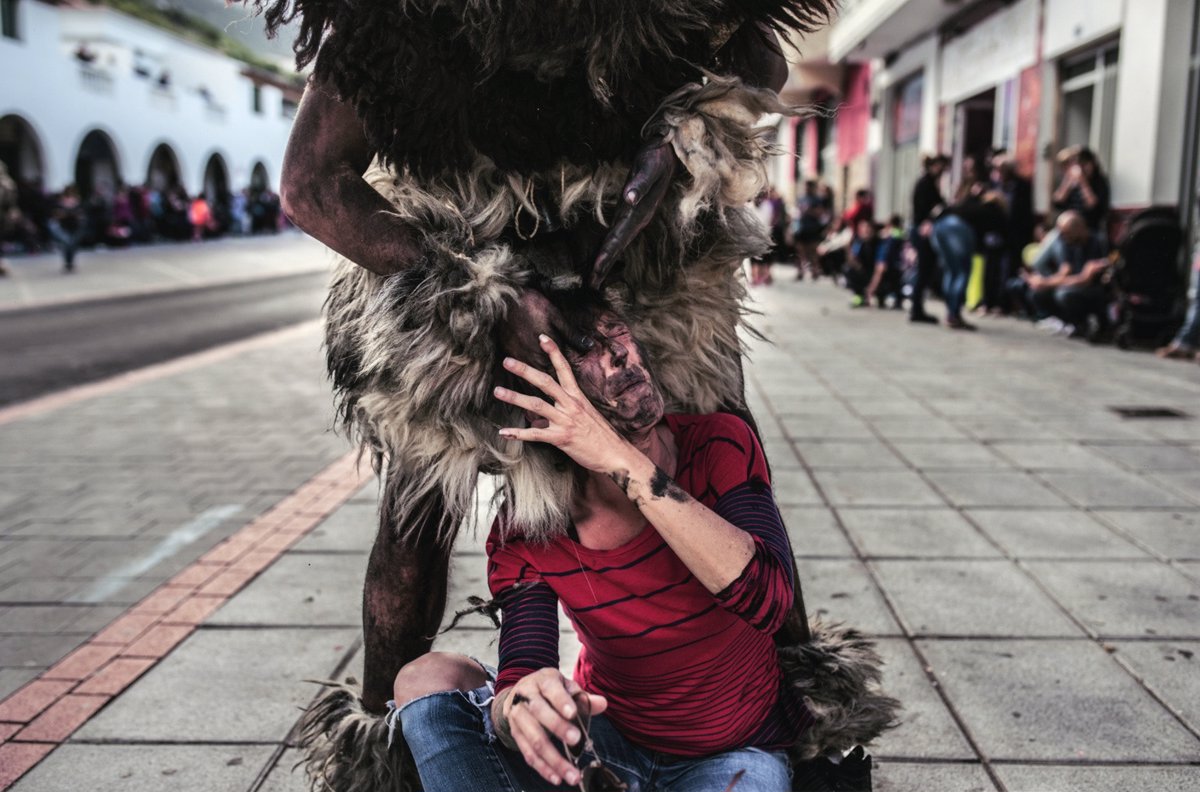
(860, 261)
(1067, 281)
(889, 263)
(1186, 344)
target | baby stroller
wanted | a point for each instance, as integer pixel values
(1150, 287)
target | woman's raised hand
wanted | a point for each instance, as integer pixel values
(568, 421)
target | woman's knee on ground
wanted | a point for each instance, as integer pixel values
(436, 672)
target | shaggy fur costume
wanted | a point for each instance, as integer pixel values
(414, 356)
(837, 672)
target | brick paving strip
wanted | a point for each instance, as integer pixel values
(37, 718)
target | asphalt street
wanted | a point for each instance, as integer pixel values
(61, 345)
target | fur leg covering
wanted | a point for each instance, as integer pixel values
(346, 749)
(838, 673)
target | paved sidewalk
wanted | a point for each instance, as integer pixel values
(1029, 562)
(100, 273)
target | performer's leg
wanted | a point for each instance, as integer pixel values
(404, 598)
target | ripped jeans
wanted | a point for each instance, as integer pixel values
(451, 738)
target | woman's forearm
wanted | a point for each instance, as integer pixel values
(714, 550)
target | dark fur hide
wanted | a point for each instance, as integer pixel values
(528, 83)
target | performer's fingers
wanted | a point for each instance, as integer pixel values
(559, 697)
(553, 722)
(531, 403)
(526, 435)
(566, 377)
(624, 228)
(539, 752)
(539, 379)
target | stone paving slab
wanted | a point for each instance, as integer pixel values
(1170, 534)
(908, 777)
(814, 532)
(1171, 669)
(1025, 778)
(301, 590)
(224, 685)
(1113, 490)
(927, 729)
(1027, 533)
(878, 488)
(974, 489)
(970, 598)
(915, 533)
(1055, 455)
(858, 455)
(843, 591)
(1047, 700)
(1124, 598)
(147, 768)
(927, 454)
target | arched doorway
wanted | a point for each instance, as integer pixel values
(216, 180)
(20, 150)
(216, 191)
(259, 182)
(97, 171)
(163, 171)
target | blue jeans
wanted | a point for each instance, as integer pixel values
(450, 736)
(954, 242)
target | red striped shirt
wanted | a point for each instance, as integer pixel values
(685, 672)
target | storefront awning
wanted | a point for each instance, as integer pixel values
(870, 29)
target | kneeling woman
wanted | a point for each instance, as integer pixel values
(676, 573)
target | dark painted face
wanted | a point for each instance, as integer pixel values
(615, 379)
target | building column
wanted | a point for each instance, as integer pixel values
(1150, 114)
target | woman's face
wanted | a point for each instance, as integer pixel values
(614, 377)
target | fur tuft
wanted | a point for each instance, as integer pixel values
(838, 673)
(345, 748)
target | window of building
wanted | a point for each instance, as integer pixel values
(289, 108)
(8, 19)
(1088, 85)
(256, 99)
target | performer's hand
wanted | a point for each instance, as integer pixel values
(539, 705)
(532, 316)
(571, 423)
(651, 175)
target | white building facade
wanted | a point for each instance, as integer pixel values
(1032, 77)
(94, 97)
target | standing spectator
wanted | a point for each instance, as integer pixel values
(971, 180)
(201, 218)
(1018, 195)
(808, 229)
(860, 261)
(955, 241)
(1085, 189)
(774, 215)
(888, 264)
(1186, 344)
(927, 202)
(9, 212)
(67, 225)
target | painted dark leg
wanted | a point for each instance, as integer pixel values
(404, 598)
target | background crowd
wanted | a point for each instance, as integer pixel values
(33, 220)
(985, 252)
